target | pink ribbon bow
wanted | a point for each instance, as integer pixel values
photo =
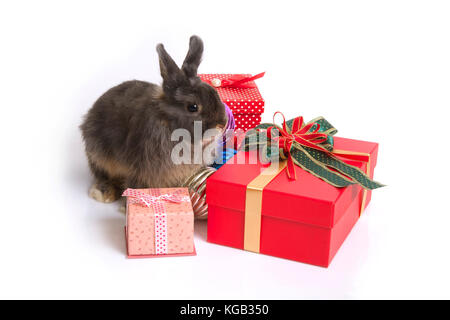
(149, 200)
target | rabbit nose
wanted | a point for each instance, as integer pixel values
(220, 127)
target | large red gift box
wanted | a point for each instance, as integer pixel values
(246, 104)
(304, 220)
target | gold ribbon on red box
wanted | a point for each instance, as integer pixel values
(309, 146)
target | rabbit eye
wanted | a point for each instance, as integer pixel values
(192, 108)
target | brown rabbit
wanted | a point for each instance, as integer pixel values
(128, 130)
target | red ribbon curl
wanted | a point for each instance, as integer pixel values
(236, 81)
(300, 133)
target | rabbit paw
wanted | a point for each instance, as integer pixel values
(123, 206)
(103, 193)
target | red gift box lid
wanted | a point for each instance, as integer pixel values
(308, 199)
(240, 100)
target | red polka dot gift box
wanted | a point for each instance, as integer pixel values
(159, 223)
(306, 219)
(241, 95)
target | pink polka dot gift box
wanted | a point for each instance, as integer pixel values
(159, 223)
(241, 94)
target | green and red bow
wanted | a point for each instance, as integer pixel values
(309, 146)
(300, 133)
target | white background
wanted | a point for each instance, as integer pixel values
(378, 70)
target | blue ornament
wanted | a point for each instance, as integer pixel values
(223, 157)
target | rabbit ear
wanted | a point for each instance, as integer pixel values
(170, 72)
(193, 57)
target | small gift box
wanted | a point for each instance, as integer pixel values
(302, 209)
(241, 94)
(160, 222)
